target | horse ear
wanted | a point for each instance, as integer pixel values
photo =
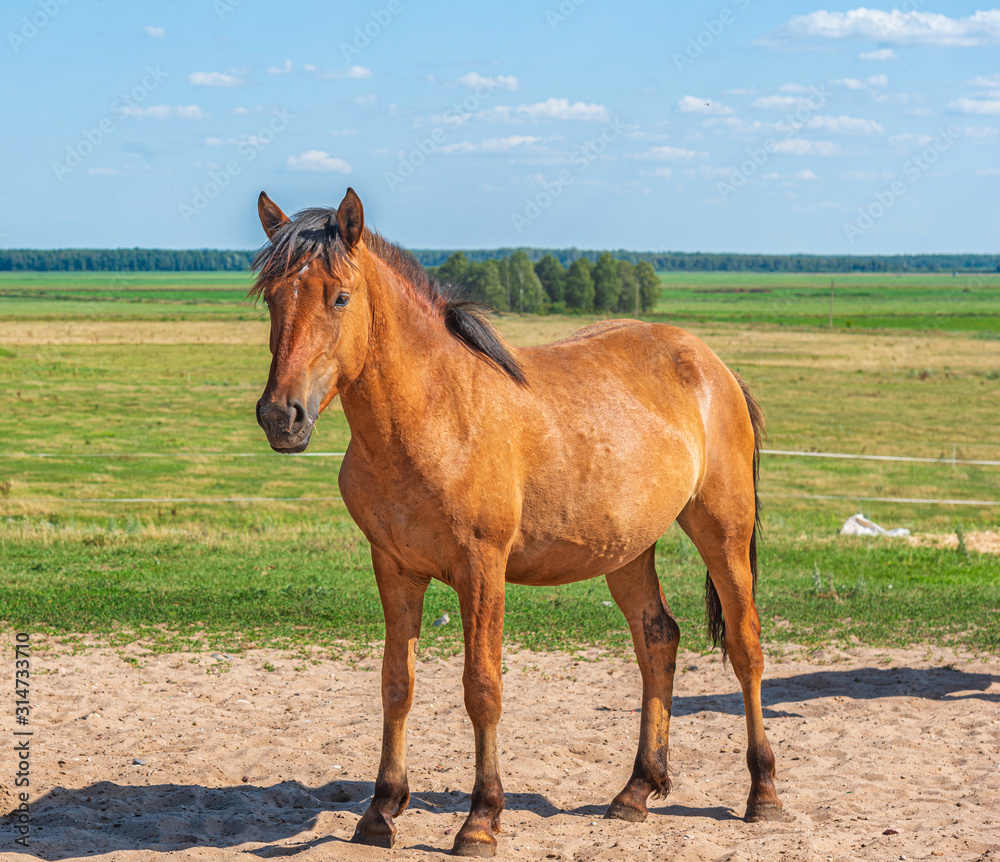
(351, 219)
(271, 216)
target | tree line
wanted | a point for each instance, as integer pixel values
(123, 260)
(682, 261)
(515, 284)
(201, 260)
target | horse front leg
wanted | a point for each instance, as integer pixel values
(402, 595)
(482, 604)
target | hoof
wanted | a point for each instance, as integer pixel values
(374, 830)
(385, 841)
(764, 812)
(474, 847)
(620, 811)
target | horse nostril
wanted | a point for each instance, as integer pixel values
(258, 415)
(299, 412)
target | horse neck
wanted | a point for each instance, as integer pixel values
(408, 347)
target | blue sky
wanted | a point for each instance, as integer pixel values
(732, 125)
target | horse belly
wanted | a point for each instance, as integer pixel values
(595, 533)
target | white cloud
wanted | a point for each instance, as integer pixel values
(976, 106)
(663, 173)
(858, 84)
(104, 172)
(697, 105)
(155, 32)
(366, 99)
(988, 172)
(880, 54)
(317, 161)
(741, 91)
(896, 27)
(190, 112)
(667, 154)
(805, 174)
(909, 140)
(357, 72)
(844, 125)
(215, 79)
(781, 102)
(991, 82)
(981, 132)
(802, 147)
(866, 176)
(793, 88)
(213, 142)
(491, 145)
(286, 69)
(166, 112)
(500, 82)
(550, 109)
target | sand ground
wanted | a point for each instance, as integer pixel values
(266, 756)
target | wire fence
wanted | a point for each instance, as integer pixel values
(240, 499)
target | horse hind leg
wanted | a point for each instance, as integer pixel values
(655, 635)
(724, 540)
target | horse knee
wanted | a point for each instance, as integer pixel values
(483, 699)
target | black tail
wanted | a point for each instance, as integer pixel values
(713, 607)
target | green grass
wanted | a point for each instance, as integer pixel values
(234, 590)
(124, 296)
(231, 575)
(963, 303)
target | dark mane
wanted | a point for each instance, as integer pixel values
(313, 234)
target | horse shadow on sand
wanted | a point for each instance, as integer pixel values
(867, 683)
(106, 817)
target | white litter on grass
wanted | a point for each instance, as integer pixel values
(859, 525)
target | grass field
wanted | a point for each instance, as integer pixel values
(956, 303)
(101, 377)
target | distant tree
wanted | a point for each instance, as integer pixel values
(552, 276)
(526, 293)
(606, 283)
(580, 285)
(482, 280)
(454, 269)
(649, 285)
(629, 288)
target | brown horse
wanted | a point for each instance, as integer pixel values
(478, 464)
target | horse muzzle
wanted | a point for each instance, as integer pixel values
(287, 423)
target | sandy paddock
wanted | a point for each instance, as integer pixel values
(239, 761)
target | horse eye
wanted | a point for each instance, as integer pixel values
(341, 300)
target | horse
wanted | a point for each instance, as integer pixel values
(479, 464)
